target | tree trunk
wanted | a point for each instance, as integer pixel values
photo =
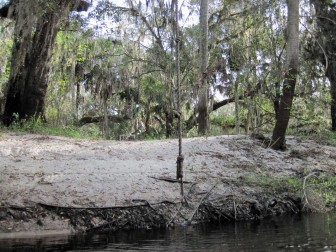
(106, 128)
(292, 69)
(78, 97)
(249, 120)
(237, 119)
(331, 75)
(72, 84)
(34, 37)
(147, 119)
(203, 119)
(325, 35)
(276, 101)
(169, 123)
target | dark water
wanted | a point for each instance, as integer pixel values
(315, 232)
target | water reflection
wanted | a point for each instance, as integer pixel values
(315, 232)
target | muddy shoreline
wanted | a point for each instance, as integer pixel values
(47, 220)
(60, 185)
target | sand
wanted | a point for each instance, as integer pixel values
(64, 172)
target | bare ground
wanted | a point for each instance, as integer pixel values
(52, 184)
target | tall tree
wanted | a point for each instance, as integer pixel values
(203, 115)
(324, 48)
(292, 70)
(36, 26)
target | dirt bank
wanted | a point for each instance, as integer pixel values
(57, 184)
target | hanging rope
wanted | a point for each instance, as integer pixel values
(180, 158)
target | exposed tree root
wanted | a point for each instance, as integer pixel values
(147, 216)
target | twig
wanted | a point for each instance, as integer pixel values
(204, 197)
(108, 224)
(304, 189)
(185, 197)
(192, 185)
(178, 211)
(234, 204)
(271, 143)
(186, 201)
(146, 204)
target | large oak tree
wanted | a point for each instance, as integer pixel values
(36, 26)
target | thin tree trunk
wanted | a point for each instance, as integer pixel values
(292, 70)
(106, 128)
(72, 84)
(203, 120)
(169, 123)
(331, 75)
(249, 119)
(147, 119)
(325, 13)
(276, 102)
(78, 98)
(237, 119)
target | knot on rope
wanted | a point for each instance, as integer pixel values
(179, 167)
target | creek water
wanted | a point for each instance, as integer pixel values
(313, 232)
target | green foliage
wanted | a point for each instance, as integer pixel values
(153, 88)
(37, 126)
(330, 2)
(92, 130)
(324, 137)
(193, 132)
(132, 67)
(6, 43)
(117, 129)
(223, 120)
(221, 124)
(323, 185)
(276, 184)
(47, 6)
(307, 118)
(152, 135)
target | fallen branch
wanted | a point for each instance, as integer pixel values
(201, 201)
(316, 198)
(304, 189)
(142, 203)
(179, 209)
(193, 119)
(171, 180)
(108, 225)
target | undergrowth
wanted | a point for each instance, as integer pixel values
(275, 184)
(325, 137)
(37, 126)
(323, 186)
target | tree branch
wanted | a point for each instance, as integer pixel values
(222, 103)
(4, 10)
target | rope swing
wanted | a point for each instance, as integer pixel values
(180, 158)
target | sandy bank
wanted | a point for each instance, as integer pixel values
(54, 184)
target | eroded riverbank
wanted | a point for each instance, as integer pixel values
(51, 184)
(302, 232)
